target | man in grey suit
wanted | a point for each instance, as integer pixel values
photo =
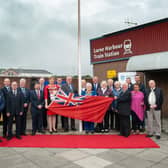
(153, 101)
(69, 88)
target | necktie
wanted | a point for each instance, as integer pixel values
(14, 92)
(70, 86)
(41, 87)
(38, 94)
(8, 89)
(95, 86)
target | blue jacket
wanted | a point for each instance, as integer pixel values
(93, 93)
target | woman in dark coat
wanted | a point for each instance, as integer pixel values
(124, 110)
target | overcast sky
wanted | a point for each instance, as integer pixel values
(42, 34)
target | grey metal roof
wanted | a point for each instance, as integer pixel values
(40, 71)
(155, 61)
(133, 28)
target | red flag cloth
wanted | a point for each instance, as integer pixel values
(92, 108)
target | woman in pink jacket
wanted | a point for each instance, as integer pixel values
(137, 107)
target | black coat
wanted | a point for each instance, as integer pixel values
(26, 96)
(124, 103)
(14, 103)
(5, 93)
(35, 101)
(2, 101)
(159, 98)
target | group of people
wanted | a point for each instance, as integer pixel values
(131, 102)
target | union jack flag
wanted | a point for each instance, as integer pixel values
(68, 100)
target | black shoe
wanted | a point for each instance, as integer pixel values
(1, 140)
(50, 132)
(158, 137)
(33, 133)
(24, 134)
(87, 132)
(106, 130)
(8, 138)
(149, 136)
(142, 129)
(92, 132)
(18, 137)
(66, 130)
(102, 131)
(42, 132)
(73, 129)
(98, 130)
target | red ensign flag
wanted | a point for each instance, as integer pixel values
(91, 108)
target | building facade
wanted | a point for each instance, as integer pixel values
(142, 49)
(31, 75)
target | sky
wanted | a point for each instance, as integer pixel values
(42, 34)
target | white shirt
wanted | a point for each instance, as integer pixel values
(152, 97)
(103, 90)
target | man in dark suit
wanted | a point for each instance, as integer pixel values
(141, 85)
(26, 100)
(2, 104)
(5, 90)
(44, 111)
(95, 84)
(124, 110)
(37, 104)
(153, 101)
(14, 110)
(69, 88)
(130, 85)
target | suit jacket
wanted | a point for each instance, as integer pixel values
(159, 98)
(35, 101)
(130, 87)
(124, 103)
(14, 103)
(26, 95)
(5, 93)
(2, 101)
(65, 87)
(98, 87)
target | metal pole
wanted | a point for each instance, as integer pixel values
(79, 59)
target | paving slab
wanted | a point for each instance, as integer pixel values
(93, 162)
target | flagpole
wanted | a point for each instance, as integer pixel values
(79, 59)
